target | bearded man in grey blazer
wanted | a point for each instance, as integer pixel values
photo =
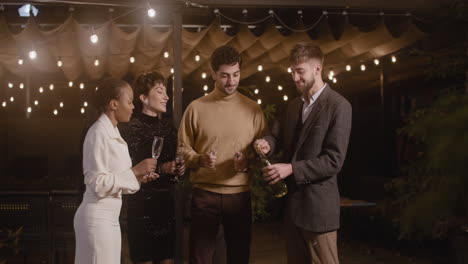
(313, 135)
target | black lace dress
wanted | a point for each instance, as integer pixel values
(150, 211)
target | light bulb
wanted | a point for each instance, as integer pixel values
(393, 59)
(55, 112)
(85, 104)
(41, 90)
(166, 54)
(4, 104)
(32, 54)
(10, 85)
(348, 67)
(29, 109)
(94, 38)
(70, 84)
(259, 101)
(285, 98)
(151, 12)
(376, 62)
(132, 59)
(51, 87)
(96, 62)
(20, 61)
(289, 69)
(59, 63)
(256, 91)
(36, 102)
(363, 67)
(82, 110)
(81, 86)
(12, 99)
(172, 70)
(21, 85)
(280, 88)
(205, 87)
(197, 57)
(61, 104)
(203, 75)
(260, 68)
(334, 80)
(267, 79)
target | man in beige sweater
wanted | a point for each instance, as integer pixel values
(215, 135)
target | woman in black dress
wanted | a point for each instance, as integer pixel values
(150, 212)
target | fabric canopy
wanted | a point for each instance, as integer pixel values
(71, 43)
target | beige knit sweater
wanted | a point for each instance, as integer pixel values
(225, 124)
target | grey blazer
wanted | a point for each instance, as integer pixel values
(313, 200)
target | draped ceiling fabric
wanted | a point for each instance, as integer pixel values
(70, 42)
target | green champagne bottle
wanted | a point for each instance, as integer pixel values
(279, 188)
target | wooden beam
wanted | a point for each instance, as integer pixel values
(357, 4)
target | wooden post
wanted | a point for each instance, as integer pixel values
(177, 115)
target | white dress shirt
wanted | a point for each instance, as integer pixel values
(307, 106)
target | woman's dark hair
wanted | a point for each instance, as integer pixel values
(109, 89)
(143, 84)
(225, 55)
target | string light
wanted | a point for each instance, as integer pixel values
(29, 109)
(96, 62)
(150, 11)
(70, 84)
(59, 62)
(4, 104)
(260, 67)
(280, 88)
(393, 59)
(97, 88)
(334, 80)
(61, 104)
(203, 75)
(363, 67)
(55, 112)
(172, 70)
(289, 70)
(348, 67)
(21, 86)
(12, 99)
(205, 87)
(81, 86)
(376, 62)
(197, 57)
(93, 38)
(51, 87)
(166, 54)
(41, 90)
(36, 102)
(10, 85)
(132, 59)
(285, 97)
(85, 104)
(206, 94)
(267, 79)
(32, 54)
(259, 101)
(20, 61)
(82, 110)
(256, 91)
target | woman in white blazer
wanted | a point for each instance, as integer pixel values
(108, 173)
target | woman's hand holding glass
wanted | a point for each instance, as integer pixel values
(144, 171)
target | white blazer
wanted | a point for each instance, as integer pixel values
(106, 162)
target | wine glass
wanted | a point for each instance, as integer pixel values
(238, 157)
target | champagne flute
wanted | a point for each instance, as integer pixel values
(214, 149)
(238, 157)
(179, 160)
(156, 148)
